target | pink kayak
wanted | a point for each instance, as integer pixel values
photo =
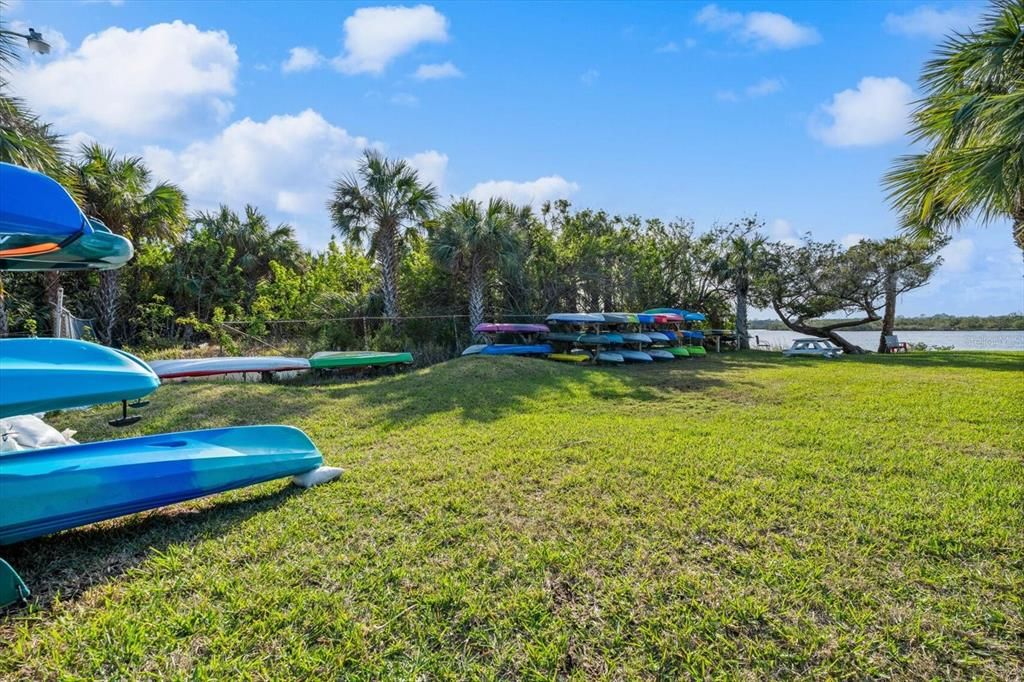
(510, 328)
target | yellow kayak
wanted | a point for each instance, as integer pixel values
(568, 357)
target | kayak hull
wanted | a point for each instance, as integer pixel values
(610, 358)
(357, 358)
(679, 351)
(635, 356)
(474, 349)
(39, 375)
(53, 489)
(660, 354)
(202, 367)
(569, 357)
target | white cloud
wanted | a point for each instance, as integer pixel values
(727, 96)
(285, 163)
(958, 255)
(782, 231)
(404, 99)
(668, 47)
(431, 166)
(133, 82)
(852, 239)
(534, 192)
(302, 59)
(874, 113)
(926, 21)
(427, 72)
(765, 86)
(590, 76)
(763, 30)
(374, 36)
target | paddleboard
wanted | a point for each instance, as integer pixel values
(202, 367)
(39, 375)
(357, 358)
(53, 489)
(516, 349)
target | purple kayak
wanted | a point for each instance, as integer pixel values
(510, 328)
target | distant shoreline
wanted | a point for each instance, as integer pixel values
(933, 323)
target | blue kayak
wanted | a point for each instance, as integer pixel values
(615, 339)
(658, 337)
(610, 358)
(42, 228)
(636, 338)
(660, 354)
(517, 349)
(634, 356)
(38, 375)
(52, 489)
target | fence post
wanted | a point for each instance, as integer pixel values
(455, 334)
(366, 336)
(58, 314)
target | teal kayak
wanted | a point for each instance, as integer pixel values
(39, 375)
(357, 358)
(52, 489)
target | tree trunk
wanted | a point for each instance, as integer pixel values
(826, 332)
(742, 342)
(388, 257)
(476, 295)
(889, 319)
(108, 306)
(1018, 227)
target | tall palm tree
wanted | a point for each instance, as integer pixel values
(735, 267)
(971, 116)
(120, 192)
(472, 239)
(379, 203)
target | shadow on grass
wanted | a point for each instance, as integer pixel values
(71, 562)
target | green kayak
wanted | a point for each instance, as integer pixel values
(679, 351)
(357, 358)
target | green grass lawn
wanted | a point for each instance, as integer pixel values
(738, 516)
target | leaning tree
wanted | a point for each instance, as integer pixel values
(807, 284)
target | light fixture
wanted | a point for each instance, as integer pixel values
(34, 39)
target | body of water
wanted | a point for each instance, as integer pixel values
(959, 340)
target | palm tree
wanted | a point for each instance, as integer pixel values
(736, 265)
(120, 192)
(472, 239)
(971, 117)
(381, 202)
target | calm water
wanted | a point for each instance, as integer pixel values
(869, 340)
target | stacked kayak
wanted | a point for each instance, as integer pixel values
(528, 339)
(41, 228)
(202, 367)
(517, 349)
(39, 375)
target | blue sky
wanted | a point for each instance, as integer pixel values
(791, 110)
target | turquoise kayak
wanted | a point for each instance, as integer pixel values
(52, 489)
(39, 375)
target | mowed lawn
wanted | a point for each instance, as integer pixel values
(736, 516)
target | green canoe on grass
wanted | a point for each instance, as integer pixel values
(357, 358)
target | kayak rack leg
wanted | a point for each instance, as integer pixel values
(125, 420)
(12, 587)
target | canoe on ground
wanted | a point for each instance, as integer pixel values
(634, 356)
(333, 359)
(517, 349)
(204, 367)
(660, 354)
(474, 349)
(569, 357)
(41, 227)
(39, 375)
(574, 318)
(53, 489)
(510, 328)
(610, 358)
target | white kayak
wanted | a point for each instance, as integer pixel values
(202, 367)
